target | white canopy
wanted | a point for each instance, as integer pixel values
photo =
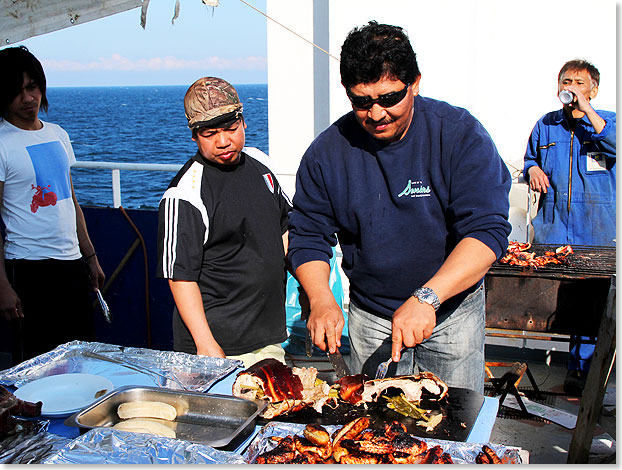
(22, 19)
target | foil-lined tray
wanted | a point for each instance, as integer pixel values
(168, 369)
(31, 444)
(112, 446)
(461, 452)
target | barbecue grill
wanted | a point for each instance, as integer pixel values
(558, 299)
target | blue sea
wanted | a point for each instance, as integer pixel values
(137, 125)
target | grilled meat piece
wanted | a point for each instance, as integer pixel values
(369, 434)
(488, 456)
(11, 406)
(317, 434)
(433, 455)
(409, 444)
(394, 429)
(309, 458)
(284, 452)
(378, 445)
(351, 387)
(303, 445)
(348, 431)
(360, 458)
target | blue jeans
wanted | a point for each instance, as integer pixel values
(454, 352)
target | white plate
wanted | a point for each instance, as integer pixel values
(64, 394)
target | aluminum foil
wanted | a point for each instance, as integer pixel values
(112, 446)
(168, 369)
(31, 445)
(461, 452)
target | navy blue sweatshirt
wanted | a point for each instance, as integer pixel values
(399, 209)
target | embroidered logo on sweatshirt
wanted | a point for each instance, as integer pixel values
(415, 189)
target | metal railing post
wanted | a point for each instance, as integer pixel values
(116, 188)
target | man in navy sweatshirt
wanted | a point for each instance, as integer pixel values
(416, 194)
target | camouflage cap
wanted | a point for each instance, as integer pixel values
(211, 101)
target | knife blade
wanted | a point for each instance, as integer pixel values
(338, 363)
(305, 310)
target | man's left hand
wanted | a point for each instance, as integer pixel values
(412, 323)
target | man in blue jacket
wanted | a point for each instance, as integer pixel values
(416, 194)
(571, 162)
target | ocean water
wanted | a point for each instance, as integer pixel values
(137, 125)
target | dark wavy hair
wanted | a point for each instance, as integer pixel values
(578, 65)
(14, 61)
(373, 51)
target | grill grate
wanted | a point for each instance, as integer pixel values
(585, 262)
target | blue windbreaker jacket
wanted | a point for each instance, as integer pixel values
(580, 205)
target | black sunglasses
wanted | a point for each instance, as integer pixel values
(386, 101)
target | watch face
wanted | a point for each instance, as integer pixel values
(427, 295)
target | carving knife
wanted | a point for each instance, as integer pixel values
(338, 363)
(305, 310)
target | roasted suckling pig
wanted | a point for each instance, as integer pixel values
(287, 389)
(11, 406)
(292, 389)
(355, 443)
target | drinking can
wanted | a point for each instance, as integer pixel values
(566, 96)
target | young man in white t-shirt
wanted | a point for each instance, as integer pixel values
(47, 261)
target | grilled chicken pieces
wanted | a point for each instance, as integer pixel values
(354, 443)
(487, 456)
(517, 255)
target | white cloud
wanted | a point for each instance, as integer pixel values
(119, 63)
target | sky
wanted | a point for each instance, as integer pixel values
(228, 41)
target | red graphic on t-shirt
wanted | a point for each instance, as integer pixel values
(42, 200)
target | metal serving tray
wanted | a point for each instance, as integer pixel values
(211, 419)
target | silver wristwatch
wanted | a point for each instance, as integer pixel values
(425, 295)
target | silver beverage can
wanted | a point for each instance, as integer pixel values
(566, 96)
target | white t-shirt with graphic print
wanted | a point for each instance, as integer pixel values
(37, 206)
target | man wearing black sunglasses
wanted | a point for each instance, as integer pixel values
(416, 194)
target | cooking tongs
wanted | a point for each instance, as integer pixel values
(135, 367)
(104, 306)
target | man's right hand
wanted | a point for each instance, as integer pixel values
(325, 324)
(10, 305)
(538, 181)
(211, 350)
